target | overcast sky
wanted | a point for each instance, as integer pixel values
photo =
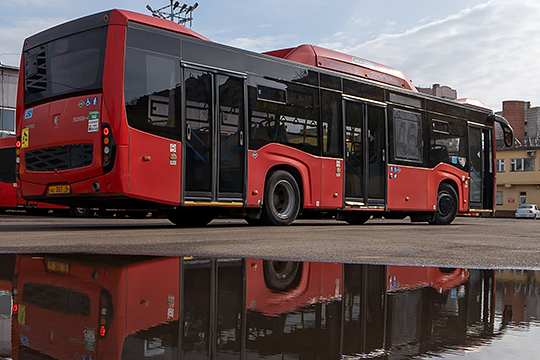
(485, 49)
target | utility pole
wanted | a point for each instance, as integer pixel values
(180, 14)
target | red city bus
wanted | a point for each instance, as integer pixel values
(63, 306)
(119, 109)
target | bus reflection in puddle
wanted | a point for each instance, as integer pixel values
(135, 307)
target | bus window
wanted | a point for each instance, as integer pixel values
(332, 124)
(67, 65)
(152, 93)
(330, 82)
(448, 143)
(408, 136)
(144, 37)
(362, 90)
(287, 115)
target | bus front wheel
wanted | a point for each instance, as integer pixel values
(447, 205)
(281, 199)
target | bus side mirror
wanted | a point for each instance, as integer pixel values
(508, 132)
(508, 136)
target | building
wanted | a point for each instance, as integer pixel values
(444, 92)
(518, 167)
(8, 99)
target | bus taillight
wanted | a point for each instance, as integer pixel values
(109, 147)
(106, 314)
(18, 156)
(14, 294)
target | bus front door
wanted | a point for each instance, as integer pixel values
(213, 137)
(481, 191)
(365, 170)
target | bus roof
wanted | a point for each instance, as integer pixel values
(337, 61)
(474, 102)
(110, 17)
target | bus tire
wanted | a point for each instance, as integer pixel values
(282, 275)
(190, 217)
(447, 205)
(356, 217)
(79, 212)
(281, 199)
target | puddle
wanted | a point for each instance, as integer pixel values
(134, 307)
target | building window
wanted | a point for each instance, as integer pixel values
(526, 164)
(501, 165)
(522, 197)
(499, 198)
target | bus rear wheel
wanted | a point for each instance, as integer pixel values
(447, 205)
(281, 199)
(190, 217)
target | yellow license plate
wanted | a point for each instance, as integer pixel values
(57, 266)
(59, 189)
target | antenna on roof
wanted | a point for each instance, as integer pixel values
(180, 14)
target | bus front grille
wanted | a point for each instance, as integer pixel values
(63, 157)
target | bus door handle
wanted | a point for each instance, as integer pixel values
(188, 133)
(241, 138)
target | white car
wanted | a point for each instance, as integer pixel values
(528, 211)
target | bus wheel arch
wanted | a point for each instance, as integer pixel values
(282, 198)
(447, 204)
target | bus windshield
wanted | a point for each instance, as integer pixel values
(71, 64)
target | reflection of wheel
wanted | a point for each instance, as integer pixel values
(281, 199)
(447, 205)
(282, 275)
(79, 212)
(191, 217)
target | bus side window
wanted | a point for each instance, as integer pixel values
(408, 144)
(448, 143)
(152, 93)
(332, 120)
(286, 115)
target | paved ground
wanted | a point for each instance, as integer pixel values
(468, 242)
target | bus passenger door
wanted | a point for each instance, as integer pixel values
(481, 191)
(214, 163)
(365, 170)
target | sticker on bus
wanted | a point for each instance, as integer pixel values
(28, 114)
(24, 138)
(93, 121)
